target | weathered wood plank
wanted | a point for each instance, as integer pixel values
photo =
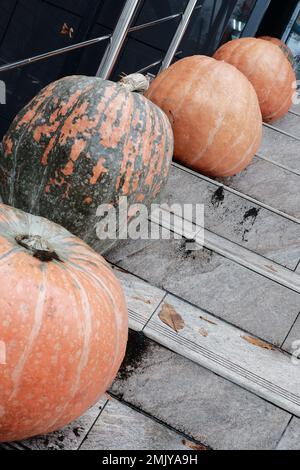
(238, 254)
(8, 446)
(269, 184)
(194, 400)
(71, 436)
(291, 438)
(121, 428)
(237, 219)
(289, 123)
(295, 108)
(142, 298)
(228, 351)
(222, 182)
(215, 283)
(292, 342)
(282, 148)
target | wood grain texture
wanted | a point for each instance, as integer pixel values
(196, 401)
(141, 297)
(231, 353)
(236, 218)
(120, 427)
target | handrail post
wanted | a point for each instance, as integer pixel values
(117, 39)
(178, 34)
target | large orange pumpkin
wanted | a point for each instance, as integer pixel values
(63, 324)
(282, 45)
(269, 71)
(214, 113)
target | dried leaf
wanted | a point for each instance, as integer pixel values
(208, 321)
(271, 268)
(193, 445)
(67, 30)
(118, 268)
(170, 317)
(146, 301)
(259, 343)
(203, 332)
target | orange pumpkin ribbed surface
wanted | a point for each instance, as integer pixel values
(282, 45)
(63, 325)
(269, 71)
(214, 113)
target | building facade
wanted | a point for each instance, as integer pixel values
(32, 27)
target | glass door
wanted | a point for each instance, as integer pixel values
(292, 38)
(246, 19)
(240, 17)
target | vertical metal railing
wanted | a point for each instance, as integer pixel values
(118, 37)
(254, 19)
(123, 28)
(177, 38)
(291, 23)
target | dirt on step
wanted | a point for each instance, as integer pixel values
(137, 347)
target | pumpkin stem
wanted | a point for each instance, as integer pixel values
(135, 82)
(38, 247)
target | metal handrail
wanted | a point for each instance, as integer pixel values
(177, 38)
(73, 47)
(148, 67)
(117, 39)
(123, 28)
(154, 22)
(89, 42)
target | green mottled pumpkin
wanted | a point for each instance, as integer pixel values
(82, 142)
